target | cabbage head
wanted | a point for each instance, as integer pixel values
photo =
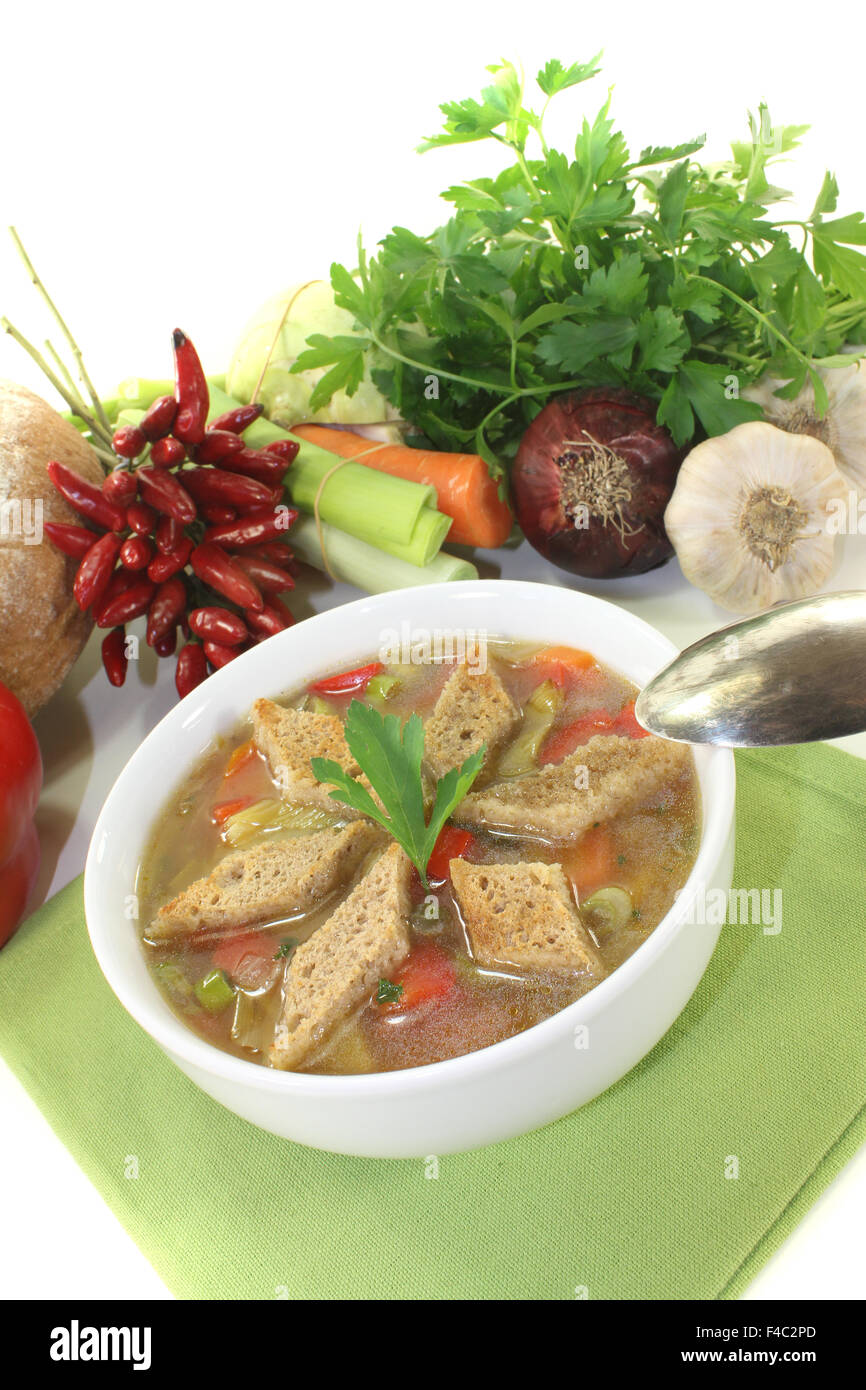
(286, 398)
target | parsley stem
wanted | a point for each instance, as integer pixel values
(756, 314)
(728, 353)
(493, 387)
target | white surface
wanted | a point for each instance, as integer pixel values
(316, 111)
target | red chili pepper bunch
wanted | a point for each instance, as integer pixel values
(189, 529)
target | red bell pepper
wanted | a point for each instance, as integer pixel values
(564, 741)
(20, 784)
(451, 843)
(428, 974)
(626, 725)
(248, 960)
(348, 681)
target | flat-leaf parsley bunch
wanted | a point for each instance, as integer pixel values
(596, 267)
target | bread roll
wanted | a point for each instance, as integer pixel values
(42, 630)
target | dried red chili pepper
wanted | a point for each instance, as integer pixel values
(166, 609)
(162, 567)
(215, 567)
(121, 487)
(218, 625)
(270, 578)
(162, 490)
(167, 645)
(217, 485)
(218, 514)
(95, 571)
(217, 445)
(254, 528)
(254, 464)
(276, 551)
(85, 498)
(219, 655)
(158, 418)
(286, 449)
(114, 656)
(274, 617)
(169, 534)
(128, 441)
(140, 518)
(191, 668)
(136, 553)
(191, 391)
(167, 453)
(120, 582)
(71, 540)
(239, 418)
(127, 605)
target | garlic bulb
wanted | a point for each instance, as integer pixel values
(748, 518)
(843, 428)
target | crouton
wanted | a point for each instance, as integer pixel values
(605, 777)
(339, 967)
(273, 880)
(289, 739)
(473, 708)
(523, 915)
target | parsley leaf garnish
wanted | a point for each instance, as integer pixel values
(388, 992)
(391, 758)
(285, 948)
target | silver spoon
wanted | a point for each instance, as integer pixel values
(791, 675)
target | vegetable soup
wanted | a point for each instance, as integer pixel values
(286, 914)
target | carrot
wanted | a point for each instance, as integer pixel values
(564, 665)
(226, 809)
(465, 490)
(240, 758)
(592, 862)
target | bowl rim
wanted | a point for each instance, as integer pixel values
(183, 1044)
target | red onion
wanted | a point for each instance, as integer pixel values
(592, 478)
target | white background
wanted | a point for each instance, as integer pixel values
(175, 164)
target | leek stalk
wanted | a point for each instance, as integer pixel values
(363, 565)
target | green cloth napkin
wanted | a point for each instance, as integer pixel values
(628, 1198)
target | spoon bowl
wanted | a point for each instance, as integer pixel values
(794, 674)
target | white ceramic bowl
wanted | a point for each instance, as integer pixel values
(500, 1091)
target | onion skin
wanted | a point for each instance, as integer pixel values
(545, 479)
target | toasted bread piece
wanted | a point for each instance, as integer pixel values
(340, 965)
(289, 739)
(523, 915)
(473, 708)
(272, 880)
(605, 777)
